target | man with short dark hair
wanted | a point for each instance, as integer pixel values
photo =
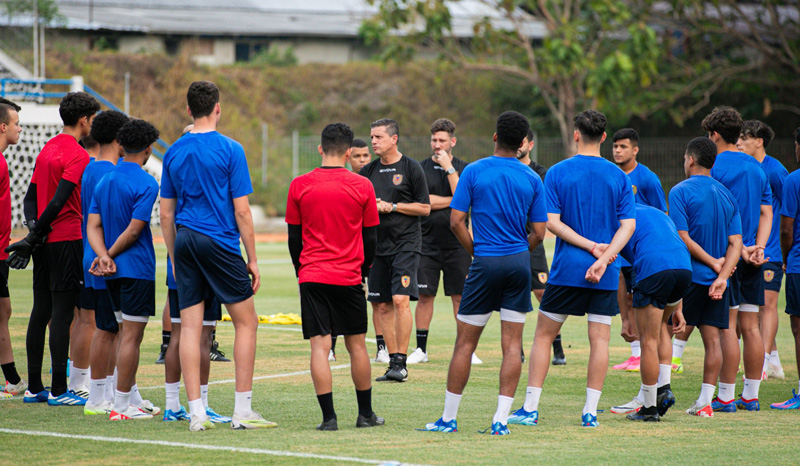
(402, 197)
(359, 155)
(333, 221)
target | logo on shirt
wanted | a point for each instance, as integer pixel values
(397, 179)
(405, 280)
(542, 278)
(385, 170)
(635, 190)
(769, 275)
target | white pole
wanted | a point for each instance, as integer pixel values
(127, 105)
(76, 84)
(35, 39)
(295, 154)
(42, 50)
(264, 153)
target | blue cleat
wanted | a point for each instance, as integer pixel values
(791, 403)
(589, 420)
(497, 429)
(722, 406)
(749, 405)
(441, 426)
(40, 397)
(217, 418)
(179, 415)
(68, 398)
(524, 418)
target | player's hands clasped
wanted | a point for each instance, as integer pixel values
(596, 271)
(754, 255)
(103, 266)
(717, 288)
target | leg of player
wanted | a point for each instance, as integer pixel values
(321, 376)
(361, 373)
(678, 345)
(599, 336)
(403, 325)
(219, 356)
(382, 355)
(632, 362)
(712, 364)
(559, 359)
(423, 315)
(14, 384)
(190, 356)
(207, 341)
(511, 338)
(753, 357)
(648, 325)
(725, 400)
(769, 328)
(83, 326)
(102, 350)
(166, 333)
(34, 344)
(456, 301)
(63, 309)
(664, 396)
(794, 401)
(127, 365)
(173, 411)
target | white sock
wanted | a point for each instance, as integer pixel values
(640, 395)
(726, 391)
(649, 395)
(774, 359)
(173, 396)
(451, 402)
(196, 408)
(109, 393)
(750, 391)
(77, 377)
(204, 394)
(136, 397)
(677, 348)
(636, 349)
(115, 378)
(664, 374)
(706, 394)
(503, 407)
(121, 401)
(592, 398)
(798, 386)
(532, 395)
(242, 402)
(97, 391)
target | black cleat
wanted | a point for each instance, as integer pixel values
(330, 424)
(216, 354)
(645, 415)
(162, 354)
(398, 374)
(371, 421)
(384, 377)
(665, 399)
(558, 357)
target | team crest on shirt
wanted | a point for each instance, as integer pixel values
(397, 179)
(635, 190)
(405, 280)
(769, 275)
(542, 278)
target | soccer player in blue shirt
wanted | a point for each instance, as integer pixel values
(119, 216)
(503, 196)
(753, 141)
(748, 183)
(707, 218)
(590, 208)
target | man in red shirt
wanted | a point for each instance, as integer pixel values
(333, 219)
(52, 210)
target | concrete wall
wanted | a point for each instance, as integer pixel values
(141, 44)
(224, 53)
(322, 50)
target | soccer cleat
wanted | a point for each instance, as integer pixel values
(331, 357)
(558, 357)
(68, 398)
(130, 414)
(398, 374)
(103, 408)
(328, 425)
(677, 365)
(162, 354)
(497, 429)
(40, 397)
(723, 406)
(623, 365)
(791, 403)
(630, 407)
(199, 424)
(524, 418)
(775, 371)
(634, 365)
(701, 411)
(15, 389)
(179, 415)
(217, 418)
(149, 408)
(441, 426)
(216, 354)
(476, 359)
(372, 421)
(417, 357)
(665, 399)
(5, 395)
(646, 414)
(82, 391)
(748, 405)
(382, 356)
(589, 420)
(252, 420)
(384, 377)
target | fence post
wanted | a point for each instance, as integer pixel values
(264, 153)
(127, 104)
(76, 84)
(295, 154)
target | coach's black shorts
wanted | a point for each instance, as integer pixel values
(134, 298)
(773, 275)
(576, 301)
(700, 309)
(453, 263)
(628, 275)
(497, 282)
(336, 309)
(793, 294)
(394, 275)
(4, 279)
(202, 267)
(539, 270)
(747, 285)
(211, 314)
(104, 317)
(58, 266)
(662, 288)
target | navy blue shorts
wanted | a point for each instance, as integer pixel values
(133, 297)
(202, 266)
(793, 294)
(747, 285)
(773, 275)
(212, 312)
(700, 309)
(494, 283)
(104, 317)
(394, 275)
(576, 301)
(627, 273)
(662, 288)
(86, 300)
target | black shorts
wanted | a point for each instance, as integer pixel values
(104, 317)
(747, 285)
(202, 266)
(58, 266)
(86, 300)
(394, 275)
(539, 270)
(700, 309)
(793, 294)
(773, 276)
(497, 282)
(4, 279)
(211, 314)
(627, 274)
(453, 263)
(134, 298)
(576, 301)
(336, 309)
(662, 288)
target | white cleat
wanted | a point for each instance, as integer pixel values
(251, 420)
(148, 407)
(198, 424)
(775, 372)
(15, 389)
(476, 359)
(331, 356)
(417, 357)
(632, 406)
(82, 391)
(132, 413)
(382, 356)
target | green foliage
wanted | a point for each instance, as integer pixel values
(275, 56)
(47, 10)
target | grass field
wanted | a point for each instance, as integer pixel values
(283, 392)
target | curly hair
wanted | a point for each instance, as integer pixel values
(758, 130)
(512, 129)
(591, 124)
(336, 139)
(703, 151)
(106, 125)
(137, 135)
(77, 105)
(202, 97)
(726, 122)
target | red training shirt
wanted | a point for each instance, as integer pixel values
(5, 208)
(331, 205)
(61, 158)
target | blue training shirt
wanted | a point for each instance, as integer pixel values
(647, 190)
(655, 245)
(744, 178)
(504, 196)
(92, 175)
(707, 210)
(592, 195)
(124, 194)
(776, 174)
(205, 172)
(791, 209)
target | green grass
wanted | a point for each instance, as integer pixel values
(290, 401)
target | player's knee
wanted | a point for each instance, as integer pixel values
(795, 325)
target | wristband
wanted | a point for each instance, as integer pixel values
(394, 207)
(592, 250)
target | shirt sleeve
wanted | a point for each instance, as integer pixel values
(735, 225)
(551, 192)
(766, 192)
(73, 170)
(776, 184)
(419, 184)
(370, 212)
(656, 193)
(143, 207)
(677, 210)
(462, 198)
(240, 183)
(538, 210)
(167, 188)
(790, 199)
(626, 207)
(293, 216)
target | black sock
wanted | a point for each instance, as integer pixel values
(10, 373)
(422, 340)
(333, 342)
(364, 398)
(326, 403)
(381, 343)
(165, 337)
(214, 334)
(557, 343)
(400, 360)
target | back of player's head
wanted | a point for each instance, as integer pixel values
(797, 135)
(512, 128)
(337, 138)
(106, 125)
(88, 142)
(530, 134)
(5, 113)
(591, 124)
(758, 130)
(703, 151)
(11, 104)
(137, 135)
(202, 97)
(77, 105)
(726, 121)
(443, 124)
(359, 143)
(627, 133)
(391, 126)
